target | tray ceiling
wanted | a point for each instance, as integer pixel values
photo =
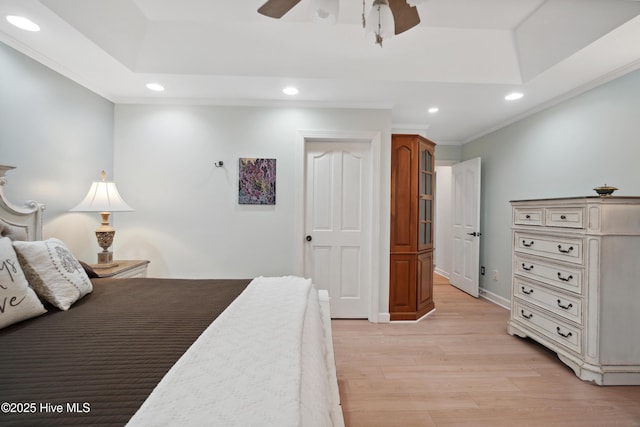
(464, 57)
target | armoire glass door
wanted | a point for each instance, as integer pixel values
(426, 193)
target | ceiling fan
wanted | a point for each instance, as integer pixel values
(405, 14)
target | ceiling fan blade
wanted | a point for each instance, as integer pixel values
(277, 8)
(404, 16)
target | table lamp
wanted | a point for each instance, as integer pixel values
(103, 197)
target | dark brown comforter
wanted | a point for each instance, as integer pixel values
(97, 362)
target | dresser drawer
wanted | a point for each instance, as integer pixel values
(567, 278)
(568, 307)
(565, 217)
(528, 216)
(560, 332)
(560, 248)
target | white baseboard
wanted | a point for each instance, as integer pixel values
(495, 298)
(383, 318)
(441, 272)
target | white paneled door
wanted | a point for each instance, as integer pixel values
(465, 186)
(338, 224)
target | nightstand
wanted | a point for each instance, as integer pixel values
(129, 268)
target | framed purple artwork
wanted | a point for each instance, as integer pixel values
(257, 181)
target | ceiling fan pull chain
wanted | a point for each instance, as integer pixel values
(379, 33)
(364, 20)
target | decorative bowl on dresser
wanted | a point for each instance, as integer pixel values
(605, 190)
(576, 283)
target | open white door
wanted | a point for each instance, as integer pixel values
(465, 200)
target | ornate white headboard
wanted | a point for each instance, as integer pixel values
(24, 222)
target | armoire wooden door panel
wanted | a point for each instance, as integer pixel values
(425, 280)
(403, 184)
(403, 278)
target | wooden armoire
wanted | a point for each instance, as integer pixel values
(412, 227)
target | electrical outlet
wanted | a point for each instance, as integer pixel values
(494, 275)
(482, 270)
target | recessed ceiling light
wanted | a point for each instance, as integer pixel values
(513, 96)
(23, 23)
(433, 110)
(155, 86)
(290, 90)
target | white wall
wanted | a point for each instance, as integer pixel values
(59, 136)
(564, 151)
(187, 220)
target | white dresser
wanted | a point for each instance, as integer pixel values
(576, 283)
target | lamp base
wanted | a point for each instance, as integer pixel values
(105, 260)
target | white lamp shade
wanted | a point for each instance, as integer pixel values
(102, 197)
(325, 11)
(380, 21)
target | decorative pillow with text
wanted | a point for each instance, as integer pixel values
(17, 300)
(53, 272)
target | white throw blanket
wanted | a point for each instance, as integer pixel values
(246, 367)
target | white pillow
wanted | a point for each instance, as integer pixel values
(17, 300)
(53, 272)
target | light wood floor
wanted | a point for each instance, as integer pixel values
(459, 367)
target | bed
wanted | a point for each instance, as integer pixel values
(159, 352)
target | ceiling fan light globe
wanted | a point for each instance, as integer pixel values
(325, 11)
(380, 24)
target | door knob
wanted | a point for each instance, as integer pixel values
(308, 238)
(475, 234)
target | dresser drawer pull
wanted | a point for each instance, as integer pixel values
(564, 307)
(567, 335)
(529, 316)
(527, 216)
(565, 251)
(524, 267)
(564, 279)
(563, 217)
(527, 245)
(527, 292)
